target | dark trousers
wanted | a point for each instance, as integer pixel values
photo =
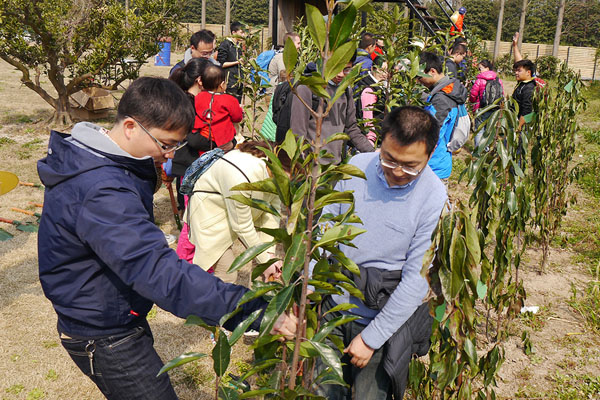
(368, 383)
(124, 366)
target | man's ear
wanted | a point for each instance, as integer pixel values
(128, 125)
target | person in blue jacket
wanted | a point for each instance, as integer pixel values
(103, 262)
(446, 94)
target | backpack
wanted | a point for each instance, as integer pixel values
(492, 92)
(282, 109)
(462, 129)
(262, 61)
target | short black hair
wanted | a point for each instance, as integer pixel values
(431, 60)
(487, 64)
(212, 77)
(204, 36)
(366, 39)
(411, 124)
(187, 75)
(157, 103)
(526, 64)
(235, 26)
(459, 48)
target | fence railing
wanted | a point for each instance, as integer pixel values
(579, 59)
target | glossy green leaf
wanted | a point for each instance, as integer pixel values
(221, 354)
(290, 56)
(329, 357)
(342, 307)
(348, 81)
(472, 241)
(339, 232)
(276, 307)
(569, 87)
(348, 169)
(345, 261)
(341, 26)
(329, 326)
(241, 328)
(289, 145)
(339, 60)
(260, 366)
(266, 185)
(197, 321)
(182, 359)
(337, 136)
(333, 198)
(255, 203)
(281, 179)
(248, 255)
(258, 292)
(316, 26)
(294, 258)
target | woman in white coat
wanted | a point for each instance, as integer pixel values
(216, 221)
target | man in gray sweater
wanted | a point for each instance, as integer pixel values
(341, 118)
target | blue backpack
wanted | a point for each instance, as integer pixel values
(262, 61)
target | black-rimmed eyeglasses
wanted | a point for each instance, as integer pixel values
(165, 148)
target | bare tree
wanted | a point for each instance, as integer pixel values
(499, 30)
(227, 16)
(559, 22)
(522, 22)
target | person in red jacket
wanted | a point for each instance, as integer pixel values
(216, 111)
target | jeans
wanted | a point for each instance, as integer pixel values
(123, 366)
(368, 383)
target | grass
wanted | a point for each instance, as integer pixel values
(564, 387)
(587, 302)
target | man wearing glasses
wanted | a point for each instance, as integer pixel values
(341, 118)
(202, 45)
(399, 204)
(103, 262)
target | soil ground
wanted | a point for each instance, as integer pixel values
(33, 365)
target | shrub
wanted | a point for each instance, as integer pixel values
(547, 66)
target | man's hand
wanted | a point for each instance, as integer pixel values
(285, 325)
(273, 272)
(359, 351)
(515, 39)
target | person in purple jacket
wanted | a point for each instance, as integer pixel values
(103, 262)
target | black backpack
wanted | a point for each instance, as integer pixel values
(492, 92)
(282, 109)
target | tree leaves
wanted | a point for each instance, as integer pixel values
(316, 26)
(181, 360)
(221, 354)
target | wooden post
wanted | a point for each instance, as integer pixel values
(568, 51)
(203, 15)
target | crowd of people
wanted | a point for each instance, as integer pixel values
(103, 262)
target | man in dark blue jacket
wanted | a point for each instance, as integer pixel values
(102, 260)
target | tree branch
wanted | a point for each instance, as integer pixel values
(26, 80)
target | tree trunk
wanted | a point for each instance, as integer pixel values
(522, 22)
(559, 22)
(499, 31)
(227, 16)
(270, 28)
(203, 15)
(62, 111)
